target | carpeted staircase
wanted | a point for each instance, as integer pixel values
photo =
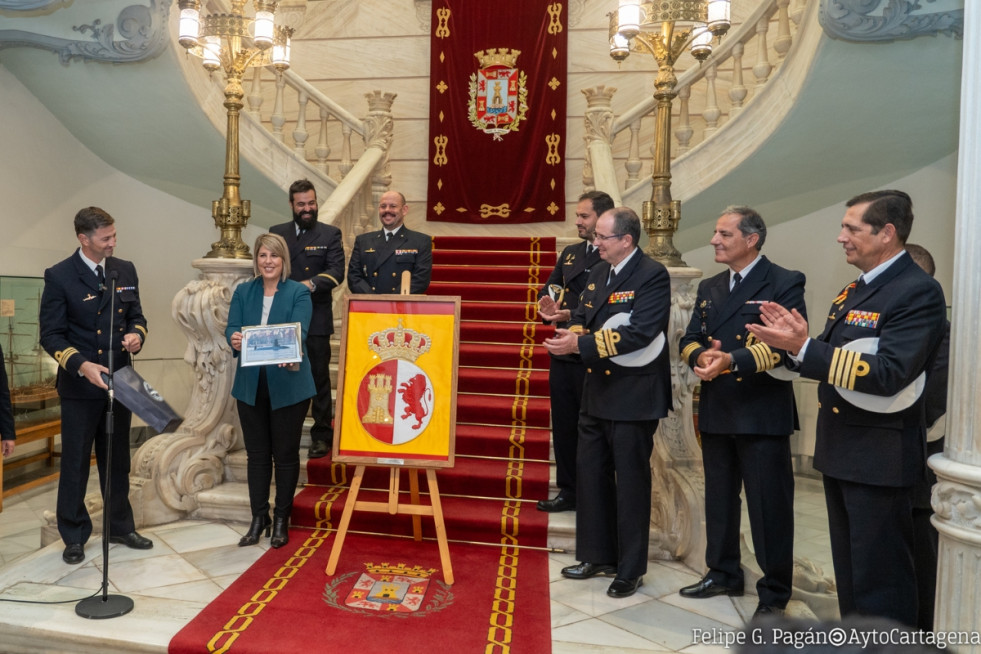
(502, 436)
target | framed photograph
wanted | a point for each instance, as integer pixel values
(266, 344)
(396, 389)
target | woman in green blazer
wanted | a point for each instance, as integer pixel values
(272, 399)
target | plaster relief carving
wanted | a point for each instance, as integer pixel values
(888, 20)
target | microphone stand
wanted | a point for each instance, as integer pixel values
(106, 606)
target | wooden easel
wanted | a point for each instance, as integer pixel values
(393, 507)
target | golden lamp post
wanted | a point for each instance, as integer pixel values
(665, 29)
(234, 43)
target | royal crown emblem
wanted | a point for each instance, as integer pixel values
(399, 343)
(498, 92)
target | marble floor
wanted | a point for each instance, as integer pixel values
(192, 561)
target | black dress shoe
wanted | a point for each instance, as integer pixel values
(318, 449)
(622, 587)
(74, 553)
(710, 588)
(557, 504)
(587, 570)
(764, 610)
(132, 540)
(280, 531)
(259, 524)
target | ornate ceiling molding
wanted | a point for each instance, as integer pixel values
(890, 20)
(143, 30)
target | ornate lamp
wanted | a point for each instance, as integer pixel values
(234, 43)
(665, 29)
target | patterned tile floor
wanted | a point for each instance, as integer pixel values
(192, 561)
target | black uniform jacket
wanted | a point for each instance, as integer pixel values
(615, 392)
(904, 308)
(317, 255)
(376, 266)
(568, 279)
(78, 320)
(748, 401)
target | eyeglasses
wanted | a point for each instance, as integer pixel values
(600, 237)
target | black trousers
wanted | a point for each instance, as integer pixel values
(83, 422)
(318, 349)
(761, 464)
(272, 438)
(925, 543)
(613, 510)
(871, 529)
(565, 381)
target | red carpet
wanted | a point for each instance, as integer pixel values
(285, 602)
(499, 602)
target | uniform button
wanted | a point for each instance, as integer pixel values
(589, 370)
(393, 274)
(819, 405)
(307, 268)
(98, 331)
(739, 379)
(119, 310)
(739, 337)
(374, 274)
(834, 409)
(100, 351)
(606, 372)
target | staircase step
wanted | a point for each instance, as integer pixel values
(495, 409)
(466, 519)
(492, 259)
(506, 311)
(497, 440)
(503, 356)
(506, 274)
(497, 243)
(473, 331)
(526, 293)
(499, 382)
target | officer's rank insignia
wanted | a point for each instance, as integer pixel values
(389, 588)
(395, 397)
(498, 92)
(868, 319)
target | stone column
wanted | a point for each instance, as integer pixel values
(957, 495)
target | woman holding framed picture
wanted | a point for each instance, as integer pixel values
(273, 389)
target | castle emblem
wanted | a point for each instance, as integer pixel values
(386, 589)
(498, 93)
(395, 397)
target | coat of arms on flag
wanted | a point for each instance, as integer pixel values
(498, 92)
(395, 397)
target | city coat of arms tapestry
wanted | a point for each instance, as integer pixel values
(497, 111)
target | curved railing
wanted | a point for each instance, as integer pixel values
(701, 110)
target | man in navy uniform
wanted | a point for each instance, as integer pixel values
(379, 259)
(745, 413)
(871, 432)
(566, 373)
(624, 396)
(80, 323)
(316, 261)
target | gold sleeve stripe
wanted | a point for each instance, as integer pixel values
(689, 349)
(576, 329)
(612, 338)
(765, 357)
(330, 277)
(846, 366)
(62, 356)
(601, 344)
(142, 330)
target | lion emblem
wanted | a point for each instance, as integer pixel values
(418, 398)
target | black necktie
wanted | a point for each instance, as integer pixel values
(860, 284)
(735, 281)
(102, 277)
(613, 277)
(388, 236)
